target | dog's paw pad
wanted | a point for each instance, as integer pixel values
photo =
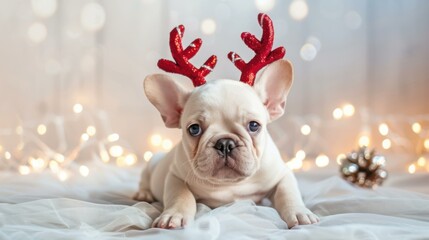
(294, 216)
(143, 195)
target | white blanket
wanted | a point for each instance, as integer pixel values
(39, 206)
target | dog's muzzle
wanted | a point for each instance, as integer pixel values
(224, 146)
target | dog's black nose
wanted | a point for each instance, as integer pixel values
(224, 146)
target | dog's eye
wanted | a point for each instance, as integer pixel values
(253, 126)
(194, 130)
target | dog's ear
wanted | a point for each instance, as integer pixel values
(273, 87)
(168, 96)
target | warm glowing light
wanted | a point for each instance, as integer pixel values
(7, 155)
(156, 140)
(84, 137)
(383, 129)
(116, 151)
(386, 143)
(41, 129)
(421, 162)
(294, 163)
(37, 164)
(59, 157)
(167, 144)
(113, 137)
(84, 170)
(417, 128)
(298, 9)
(426, 143)
(300, 154)
(130, 159)
(104, 155)
(63, 175)
(308, 52)
(147, 156)
(77, 108)
(340, 158)
(54, 166)
(44, 8)
(322, 160)
(1, 148)
(265, 5)
(208, 26)
(24, 170)
(92, 17)
(19, 130)
(305, 129)
(348, 110)
(91, 130)
(412, 168)
(364, 141)
(337, 113)
(37, 32)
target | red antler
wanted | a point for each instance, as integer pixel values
(182, 65)
(262, 48)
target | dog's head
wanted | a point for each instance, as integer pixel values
(224, 122)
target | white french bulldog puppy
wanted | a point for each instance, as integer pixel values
(226, 153)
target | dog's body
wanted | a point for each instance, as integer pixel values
(226, 153)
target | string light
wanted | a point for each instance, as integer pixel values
(308, 52)
(24, 170)
(63, 175)
(37, 32)
(147, 155)
(7, 155)
(300, 154)
(348, 110)
(116, 151)
(38, 164)
(412, 168)
(337, 113)
(364, 141)
(19, 130)
(340, 158)
(156, 140)
(298, 10)
(386, 144)
(91, 130)
(416, 127)
(130, 159)
(84, 170)
(113, 137)
(59, 157)
(322, 160)
(104, 155)
(77, 108)
(44, 8)
(208, 26)
(383, 129)
(294, 163)
(265, 5)
(84, 137)
(167, 144)
(421, 162)
(426, 143)
(92, 17)
(41, 129)
(54, 166)
(305, 129)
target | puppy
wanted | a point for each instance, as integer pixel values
(226, 153)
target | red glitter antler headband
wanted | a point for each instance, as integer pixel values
(262, 48)
(182, 65)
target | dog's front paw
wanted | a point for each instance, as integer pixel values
(144, 195)
(171, 219)
(298, 215)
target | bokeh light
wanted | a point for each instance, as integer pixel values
(298, 10)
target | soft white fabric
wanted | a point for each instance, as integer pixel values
(38, 206)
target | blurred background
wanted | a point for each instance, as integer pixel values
(71, 77)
